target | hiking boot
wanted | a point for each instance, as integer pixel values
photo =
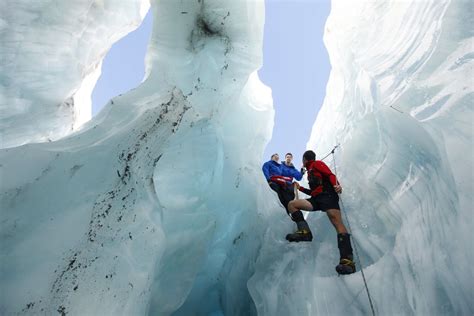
(346, 266)
(302, 234)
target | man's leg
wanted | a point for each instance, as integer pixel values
(301, 204)
(287, 195)
(283, 194)
(336, 220)
(303, 232)
(346, 262)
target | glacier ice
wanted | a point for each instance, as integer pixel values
(157, 205)
(51, 56)
(128, 215)
(399, 104)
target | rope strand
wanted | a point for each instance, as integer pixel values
(331, 152)
(350, 231)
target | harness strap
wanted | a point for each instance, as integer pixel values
(281, 179)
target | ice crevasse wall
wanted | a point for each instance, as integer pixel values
(399, 104)
(51, 58)
(157, 205)
(139, 210)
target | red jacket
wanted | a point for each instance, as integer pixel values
(320, 178)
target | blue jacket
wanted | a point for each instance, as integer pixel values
(273, 168)
(290, 171)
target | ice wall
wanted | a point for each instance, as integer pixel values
(51, 57)
(157, 205)
(400, 104)
(145, 208)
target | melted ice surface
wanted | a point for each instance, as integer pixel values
(158, 205)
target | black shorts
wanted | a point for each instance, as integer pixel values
(324, 201)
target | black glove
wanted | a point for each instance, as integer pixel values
(303, 170)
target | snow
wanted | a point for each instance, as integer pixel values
(158, 206)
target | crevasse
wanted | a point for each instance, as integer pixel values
(399, 105)
(157, 205)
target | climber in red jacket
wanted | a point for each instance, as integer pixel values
(324, 189)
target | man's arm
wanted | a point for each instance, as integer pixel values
(324, 170)
(302, 189)
(266, 171)
(305, 190)
(296, 174)
(291, 172)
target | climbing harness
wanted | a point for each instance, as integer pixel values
(350, 231)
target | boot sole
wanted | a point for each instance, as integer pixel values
(298, 240)
(345, 270)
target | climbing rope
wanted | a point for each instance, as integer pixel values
(331, 152)
(350, 231)
(295, 190)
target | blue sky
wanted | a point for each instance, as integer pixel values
(124, 66)
(295, 65)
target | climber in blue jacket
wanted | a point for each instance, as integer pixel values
(288, 169)
(280, 177)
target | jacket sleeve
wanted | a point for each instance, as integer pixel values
(324, 170)
(291, 172)
(266, 170)
(305, 190)
(296, 174)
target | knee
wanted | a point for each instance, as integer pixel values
(291, 205)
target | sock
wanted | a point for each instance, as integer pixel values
(297, 216)
(344, 245)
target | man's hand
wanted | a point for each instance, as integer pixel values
(338, 188)
(297, 185)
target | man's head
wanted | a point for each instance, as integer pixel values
(308, 155)
(275, 157)
(288, 158)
